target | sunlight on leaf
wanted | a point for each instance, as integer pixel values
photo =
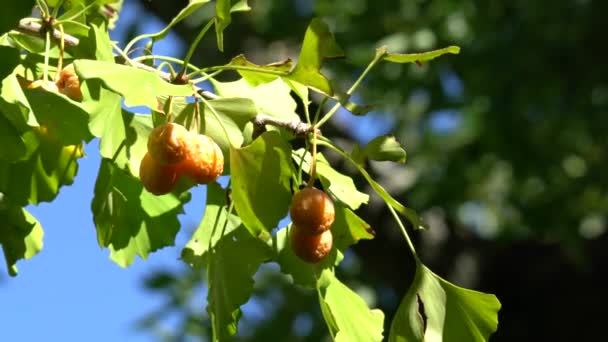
(271, 98)
(137, 86)
(261, 170)
(347, 314)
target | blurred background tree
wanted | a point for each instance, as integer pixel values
(507, 163)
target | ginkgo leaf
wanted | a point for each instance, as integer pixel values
(20, 235)
(271, 98)
(261, 168)
(319, 44)
(231, 268)
(223, 18)
(347, 315)
(46, 166)
(382, 148)
(216, 224)
(415, 57)
(129, 220)
(436, 310)
(138, 87)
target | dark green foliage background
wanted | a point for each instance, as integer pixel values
(530, 149)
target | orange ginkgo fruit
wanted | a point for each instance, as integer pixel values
(313, 210)
(168, 143)
(157, 178)
(204, 160)
(311, 248)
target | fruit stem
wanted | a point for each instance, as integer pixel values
(203, 78)
(193, 47)
(61, 48)
(197, 113)
(165, 63)
(319, 109)
(313, 160)
(47, 50)
(44, 8)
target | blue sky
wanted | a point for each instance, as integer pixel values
(72, 291)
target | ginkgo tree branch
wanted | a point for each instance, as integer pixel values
(38, 30)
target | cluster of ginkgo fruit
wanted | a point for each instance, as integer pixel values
(312, 214)
(175, 152)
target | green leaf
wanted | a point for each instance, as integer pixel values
(49, 165)
(129, 220)
(271, 98)
(9, 58)
(215, 225)
(340, 186)
(319, 44)
(12, 12)
(137, 86)
(348, 228)
(20, 235)
(64, 117)
(435, 309)
(256, 74)
(223, 8)
(347, 315)
(14, 104)
(301, 272)
(415, 57)
(13, 146)
(231, 268)
(123, 135)
(261, 173)
(103, 46)
(384, 148)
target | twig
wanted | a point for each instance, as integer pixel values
(297, 127)
(36, 29)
